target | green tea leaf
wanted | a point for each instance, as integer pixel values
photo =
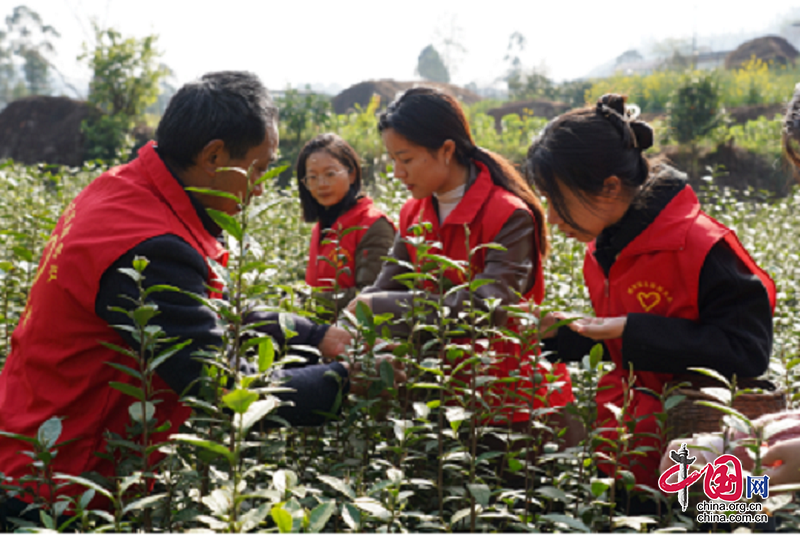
(143, 314)
(339, 485)
(266, 354)
(387, 373)
(480, 492)
(319, 516)
(239, 400)
(135, 410)
(574, 523)
(257, 411)
(227, 223)
(215, 193)
(713, 374)
(351, 516)
(206, 444)
(282, 519)
(143, 503)
(373, 507)
(85, 483)
(49, 432)
(130, 390)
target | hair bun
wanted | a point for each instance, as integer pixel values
(614, 101)
(643, 133)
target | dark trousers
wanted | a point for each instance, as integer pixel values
(13, 508)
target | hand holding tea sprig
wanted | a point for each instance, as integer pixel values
(781, 459)
(782, 462)
(334, 343)
(597, 328)
(781, 450)
(359, 384)
(590, 327)
(366, 299)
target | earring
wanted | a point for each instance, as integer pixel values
(447, 161)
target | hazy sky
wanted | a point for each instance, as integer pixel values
(291, 42)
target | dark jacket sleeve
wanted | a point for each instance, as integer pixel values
(733, 334)
(512, 272)
(174, 262)
(569, 346)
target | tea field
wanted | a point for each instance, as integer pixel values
(397, 459)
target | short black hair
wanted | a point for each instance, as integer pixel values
(233, 106)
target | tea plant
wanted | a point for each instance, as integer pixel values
(413, 457)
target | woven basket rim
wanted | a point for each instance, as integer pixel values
(695, 393)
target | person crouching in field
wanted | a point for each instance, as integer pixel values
(780, 454)
(339, 262)
(671, 287)
(455, 184)
(58, 365)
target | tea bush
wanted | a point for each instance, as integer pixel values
(399, 459)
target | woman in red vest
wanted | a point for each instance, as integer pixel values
(456, 185)
(329, 180)
(782, 456)
(671, 288)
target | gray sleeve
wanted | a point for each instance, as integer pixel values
(374, 245)
(368, 256)
(512, 272)
(385, 280)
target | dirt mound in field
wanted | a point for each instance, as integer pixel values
(743, 114)
(361, 93)
(739, 169)
(42, 129)
(738, 115)
(538, 107)
(770, 48)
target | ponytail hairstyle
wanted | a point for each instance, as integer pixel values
(346, 155)
(428, 117)
(790, 134)
(583, 147)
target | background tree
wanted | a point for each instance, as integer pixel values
(516, 45)
(574, 92)
(303, 115)
(629, 56)
(26, 37)
(694, 110)
(431, 67)
(534, 84)
(167, 87)
(125, 81)
(7, 71)
(449, 36)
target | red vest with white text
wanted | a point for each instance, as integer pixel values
(485, 209)
(320, 273)
(657, 273)
(57, 365)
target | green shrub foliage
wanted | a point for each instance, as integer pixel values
(401, 458)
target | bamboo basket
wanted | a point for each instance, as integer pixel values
(687, 417)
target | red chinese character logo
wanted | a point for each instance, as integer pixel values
(718, 483)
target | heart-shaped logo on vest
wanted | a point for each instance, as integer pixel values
(648, 300)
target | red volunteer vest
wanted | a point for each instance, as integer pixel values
(57, 366)
(657, 273)
(319, 272)
(485, 208)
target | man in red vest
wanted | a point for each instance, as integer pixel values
(58, 365)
